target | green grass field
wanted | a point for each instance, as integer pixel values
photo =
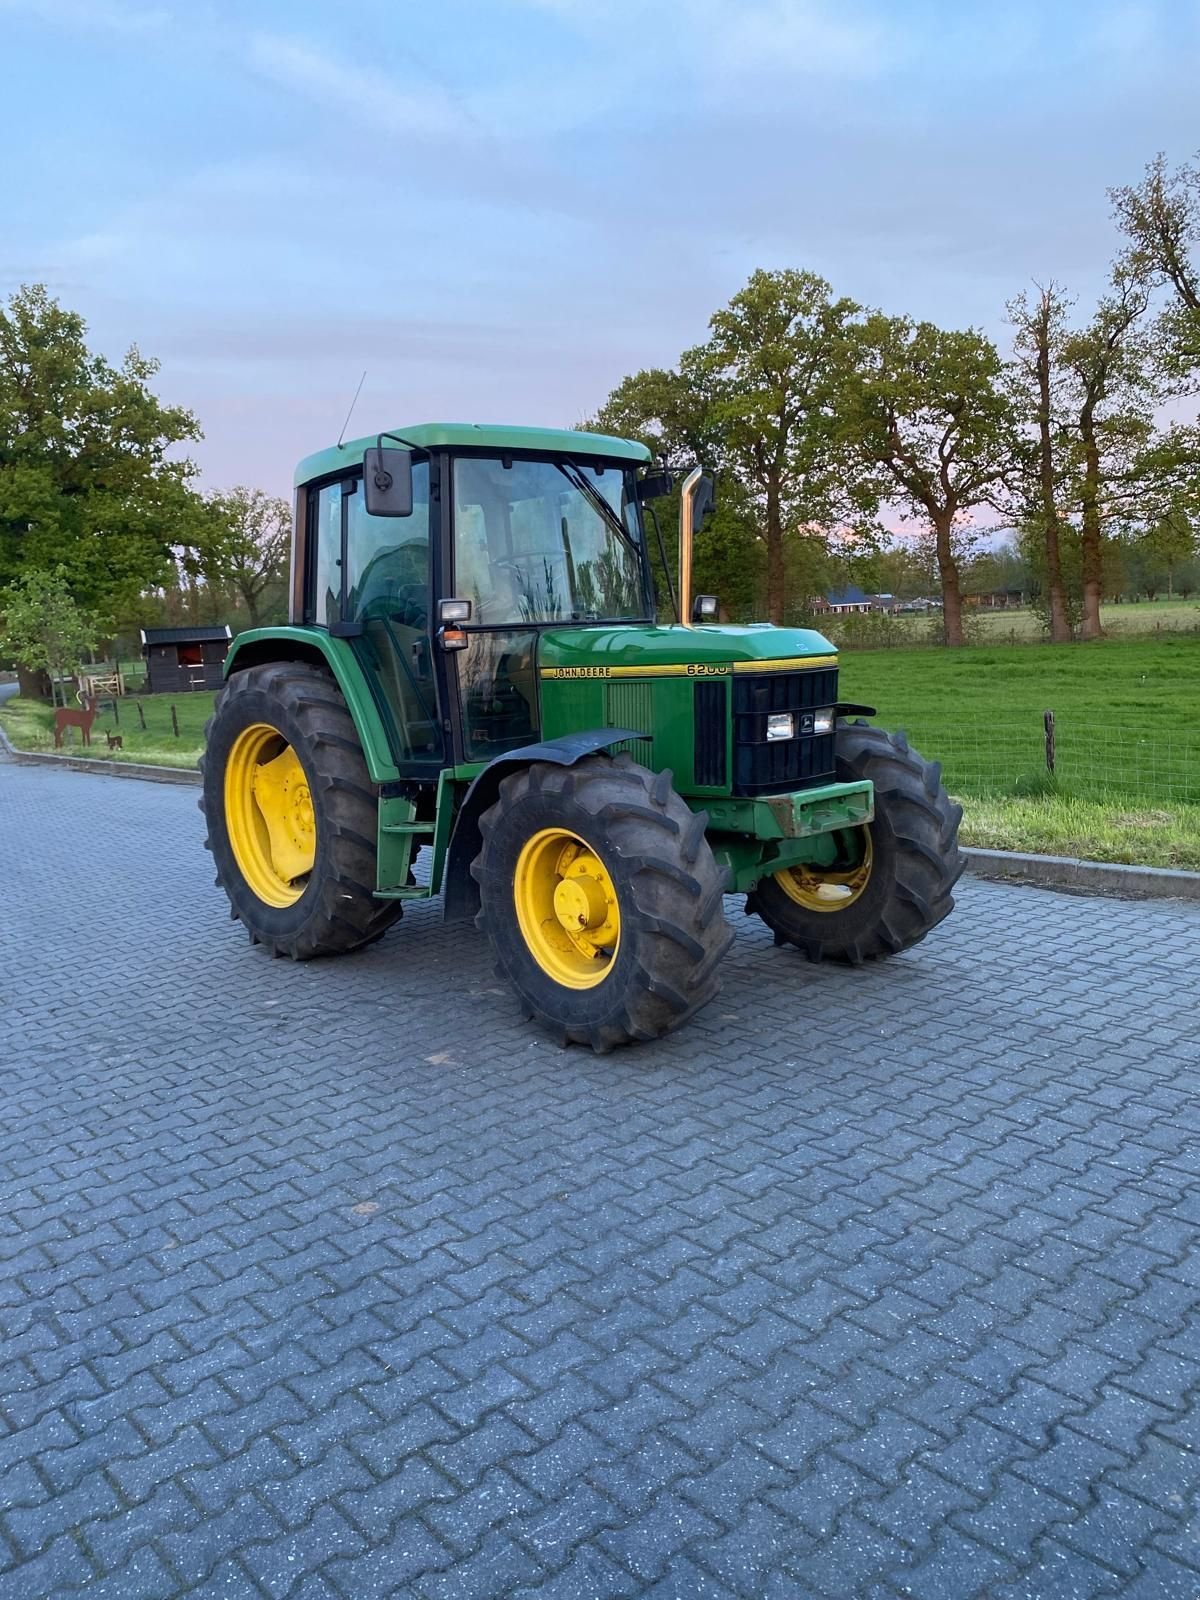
(30, 726)
(1127, 714)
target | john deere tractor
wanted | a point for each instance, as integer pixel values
(474, 667)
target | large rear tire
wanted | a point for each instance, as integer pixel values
(892, 880)
(601, 900)
(292, 813)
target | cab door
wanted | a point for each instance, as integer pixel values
(372, 586)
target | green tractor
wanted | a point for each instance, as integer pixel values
(474, 667)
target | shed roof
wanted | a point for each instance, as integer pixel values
(193, 635)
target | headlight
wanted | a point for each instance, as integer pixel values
(823, 722)
(781, 725)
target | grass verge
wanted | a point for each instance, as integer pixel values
(1112, 829)
(29, 725)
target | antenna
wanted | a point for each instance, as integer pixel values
(353, 403)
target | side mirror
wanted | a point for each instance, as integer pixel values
(388, 482)
(703, 501)
(653, 486)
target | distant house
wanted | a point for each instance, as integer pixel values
(843, 602)
(180, 659)
(997, 599)
(883, 602)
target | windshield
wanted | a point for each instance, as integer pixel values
(546, 541)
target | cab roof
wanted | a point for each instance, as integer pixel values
(479, 436)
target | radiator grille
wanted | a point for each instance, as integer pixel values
(709, 732)
(631, 705)
(772, 767)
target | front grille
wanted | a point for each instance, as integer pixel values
(773, 767)
(709, 730)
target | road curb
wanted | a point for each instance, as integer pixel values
(1088, 877)
(110, 769)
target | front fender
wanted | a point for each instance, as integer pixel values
(259, 645)
(461, 893)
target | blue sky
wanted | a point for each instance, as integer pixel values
(499, 209)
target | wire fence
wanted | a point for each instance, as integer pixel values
(1085, 757)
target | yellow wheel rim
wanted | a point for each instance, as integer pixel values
(269, 815)
(832, 888)
(567, 908)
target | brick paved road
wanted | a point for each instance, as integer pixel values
(336, 1281)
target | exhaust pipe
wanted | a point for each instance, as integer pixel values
(687, 524)
(695, 502)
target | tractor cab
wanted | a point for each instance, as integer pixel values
(443, 553)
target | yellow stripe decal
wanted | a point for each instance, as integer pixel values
(787, 664)
(692, 669)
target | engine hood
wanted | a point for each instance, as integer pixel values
(601, 652)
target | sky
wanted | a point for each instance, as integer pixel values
(499, 208)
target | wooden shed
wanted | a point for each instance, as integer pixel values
(179, 659)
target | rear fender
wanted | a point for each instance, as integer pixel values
(461, 898)
(314, 645)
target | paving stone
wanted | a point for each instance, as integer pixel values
(801, 1305)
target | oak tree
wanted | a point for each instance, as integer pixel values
(88, 480)
(1161, 219)
(1111, 394)
(926, 410)
(1040, 328)
(772, 371)
(244, 547)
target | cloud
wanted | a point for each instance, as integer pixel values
(719, 39)
(794, 36)
(355, 90)
(109, 15)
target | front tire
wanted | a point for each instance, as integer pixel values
(893, 878)
(292, 813)
(601, 900)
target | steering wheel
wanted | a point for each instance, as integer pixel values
(516, 562)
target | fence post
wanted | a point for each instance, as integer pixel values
(141, 714)
(174, 720)
(1048, 723)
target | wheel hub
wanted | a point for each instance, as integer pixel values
(269, 815)
(567, 909)
(579, 904)
(835, 887)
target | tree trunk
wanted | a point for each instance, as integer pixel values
(952, 624)
(1090, 537)
(1060, 624)
(33, 685)
(776, 582)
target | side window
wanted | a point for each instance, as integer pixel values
(387, 591)
(325, 576)
(388, 558)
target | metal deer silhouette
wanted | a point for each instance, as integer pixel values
(65, 718)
